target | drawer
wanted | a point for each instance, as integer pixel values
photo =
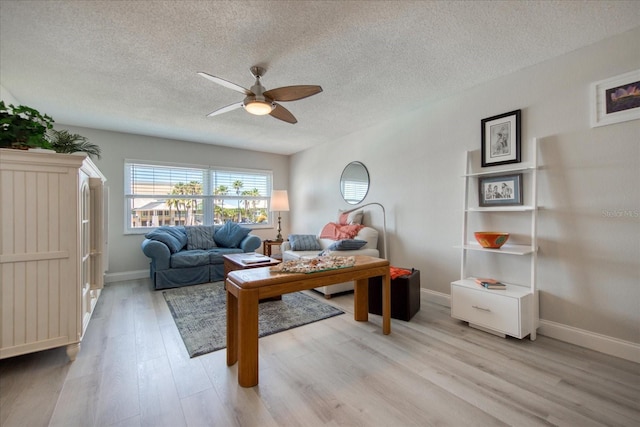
(487, 309)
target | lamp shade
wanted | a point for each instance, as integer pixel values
(279, 201)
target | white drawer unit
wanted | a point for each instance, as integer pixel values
(502, 312)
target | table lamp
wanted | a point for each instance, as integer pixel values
(279, 203)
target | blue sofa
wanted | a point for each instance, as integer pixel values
(190, 255)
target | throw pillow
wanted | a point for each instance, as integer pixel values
(178, 232)
(347, 245)
(230, 235)
(200, 237)
(304, 242)
(354, 217)
(165, 236)
(335, 231)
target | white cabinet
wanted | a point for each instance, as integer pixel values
(513, 311)
(503, 312)
(51, 249)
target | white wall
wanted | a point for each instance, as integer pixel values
(125, 256)
(7, 97)
(589, 261)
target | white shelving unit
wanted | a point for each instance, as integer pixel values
(513, 311)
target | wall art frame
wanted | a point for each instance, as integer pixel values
(501, 139)
(502, 190)
(616, 99)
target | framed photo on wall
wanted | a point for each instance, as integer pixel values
(504, 190)
(616, 99)
(501, 139)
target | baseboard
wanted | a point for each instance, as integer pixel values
(126, 275)
(437, 297)
(604, 344)
(580, 337)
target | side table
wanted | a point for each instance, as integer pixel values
(233, 262)
(266, 247)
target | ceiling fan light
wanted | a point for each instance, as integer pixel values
(259, 108)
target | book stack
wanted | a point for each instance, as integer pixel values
(491, 284)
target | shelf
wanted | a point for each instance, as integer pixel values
(512, 311)
(523, 208)
(524, 168)
(515, 291)
(505, 249)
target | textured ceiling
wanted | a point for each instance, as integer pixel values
(130, 66)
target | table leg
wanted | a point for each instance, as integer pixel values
(232, 328)
(386, 304)
(247, 337)
(361, 300)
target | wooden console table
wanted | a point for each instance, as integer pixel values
(246, 287)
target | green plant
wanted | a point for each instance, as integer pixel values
(62, 141)
(23, 127)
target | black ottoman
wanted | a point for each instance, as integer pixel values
(405, 296)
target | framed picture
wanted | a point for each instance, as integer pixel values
(616, 99)
(501, 139)
(504, 190)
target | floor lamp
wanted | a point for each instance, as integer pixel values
(279, 203)
(384, 223)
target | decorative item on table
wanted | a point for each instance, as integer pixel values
(279, 203)
(491, 239)
(488, 283)
(314, 265)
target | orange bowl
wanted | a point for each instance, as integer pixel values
(491, 239)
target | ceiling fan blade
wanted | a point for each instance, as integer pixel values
(226, 83)
(225, 109)
(292, 93)
(283, 114)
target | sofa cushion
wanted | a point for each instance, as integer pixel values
(174, 239)
(230, 235)
(200, 237)
(216, 254)
(347, 245)
(304, 242)
(193, 258)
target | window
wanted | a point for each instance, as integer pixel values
(159, 194)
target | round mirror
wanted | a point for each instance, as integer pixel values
(354, 183)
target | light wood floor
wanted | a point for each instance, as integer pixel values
(133, 370)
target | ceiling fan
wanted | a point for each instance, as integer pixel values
(259, 101)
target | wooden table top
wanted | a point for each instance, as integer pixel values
(259, 277)
(237, 259)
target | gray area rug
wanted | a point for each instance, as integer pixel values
(200, 313)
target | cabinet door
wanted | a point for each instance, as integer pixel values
(85, 252)
(97, 240)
